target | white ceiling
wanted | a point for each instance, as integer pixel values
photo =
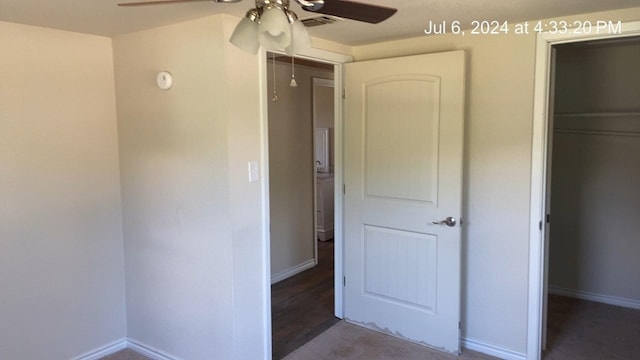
(103, 17)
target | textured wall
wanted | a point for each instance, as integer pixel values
(291, 167)
(175, 185)
(61, 250)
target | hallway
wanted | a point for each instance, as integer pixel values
(302, 306)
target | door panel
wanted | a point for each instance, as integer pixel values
(403, 170)
(393, 259)
(401, 126)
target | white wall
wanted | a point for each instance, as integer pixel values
(192, 221)
(497, 174)
(174, 155)
(291, 168)
(595, 203)
(61, 250)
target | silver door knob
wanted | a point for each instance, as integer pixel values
(449, 221)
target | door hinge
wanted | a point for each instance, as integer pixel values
(540, 225)
(459, 325)
(344, 95)
(548, 218)
(344, 281)
(344, 189)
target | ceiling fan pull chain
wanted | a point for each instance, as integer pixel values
(293, 82)
(274, 97)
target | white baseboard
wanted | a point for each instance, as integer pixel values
(149, 351)
(293, 271)
(122, 344)
(156, 354)
(606, 299)
(489, 349)
(106, 350)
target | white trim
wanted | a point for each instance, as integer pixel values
(324, 56)
(486, 348)
(149, 351)
(266, 216)
(282, 275)
(103, 351)
(338, 177)
(126, 343)
(601, 298)
(538, 183)
(537, 255)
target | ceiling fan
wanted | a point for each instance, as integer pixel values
(353, 10)
(272, 25)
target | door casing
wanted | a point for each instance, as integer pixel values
(337, 60)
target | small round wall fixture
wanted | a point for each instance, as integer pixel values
(164, 80)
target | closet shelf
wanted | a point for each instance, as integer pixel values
(599, 114)
(597, 132)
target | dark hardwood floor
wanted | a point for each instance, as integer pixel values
(302, 306)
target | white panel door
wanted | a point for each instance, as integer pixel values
(404, 122)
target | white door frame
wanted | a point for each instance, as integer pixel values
(539, 156)
(337, 60)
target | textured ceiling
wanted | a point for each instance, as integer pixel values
(103, 17)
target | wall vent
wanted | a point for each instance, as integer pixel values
(318, 20)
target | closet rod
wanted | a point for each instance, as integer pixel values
(597, 132)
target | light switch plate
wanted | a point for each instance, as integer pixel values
(254, 171)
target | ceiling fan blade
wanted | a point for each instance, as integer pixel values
(372, 14)
(159, 2)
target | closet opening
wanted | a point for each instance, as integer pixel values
(301, 191)
(592, 306)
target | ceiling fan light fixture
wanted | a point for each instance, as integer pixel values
(272, 25)
(300, 39)
(245, 35)
(274, 31)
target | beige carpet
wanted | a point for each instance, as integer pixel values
(578, 329)
(587, 330)
(126, 354)
(349, 342)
